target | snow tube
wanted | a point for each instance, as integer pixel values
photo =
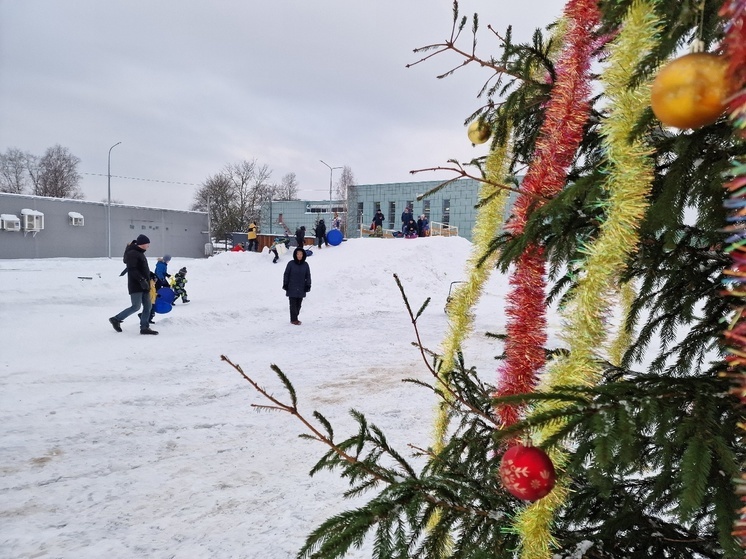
(164, 300)
(334, 237)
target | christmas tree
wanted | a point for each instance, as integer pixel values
(625, 441)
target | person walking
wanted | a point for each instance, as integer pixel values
(251, 236)
(161, 272)
(320, 232)
(300, 235)
(138, 286)
(179, 287)
(296, 282)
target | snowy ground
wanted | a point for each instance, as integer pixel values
(128, 446)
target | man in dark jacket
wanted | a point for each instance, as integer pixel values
(300, 235)
(320, 232)
(138, 286)
(296, 282)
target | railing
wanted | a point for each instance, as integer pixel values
(443, 229)
(436, 229)
(368, 232)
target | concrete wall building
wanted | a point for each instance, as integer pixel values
(453, 205)
(41, 227)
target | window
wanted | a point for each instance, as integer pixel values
(426, 208)
(376, 206)
(76, 219)
(10, 222)
(392, 215)
(360, 211)
(446, 219)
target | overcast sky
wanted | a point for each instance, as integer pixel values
(189, 86)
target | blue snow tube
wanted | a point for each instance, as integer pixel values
(164, 300)
(334, 237)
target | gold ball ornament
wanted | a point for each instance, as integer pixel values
(690, 91)
(479, 131)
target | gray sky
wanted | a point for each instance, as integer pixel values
(189, 86)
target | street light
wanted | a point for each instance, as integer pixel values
(108, 204)
(331, 172)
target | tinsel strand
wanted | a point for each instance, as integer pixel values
(489, 218)
(585, 316)
(734, 277)
(559, 137)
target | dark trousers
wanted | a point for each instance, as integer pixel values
(320, 240)
(253, 245)
(295, 304)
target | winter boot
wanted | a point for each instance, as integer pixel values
(148, 331)
(116, 324)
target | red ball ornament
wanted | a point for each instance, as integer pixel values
(527, 472)
(690, 92)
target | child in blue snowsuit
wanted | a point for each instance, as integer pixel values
(161, 272)
(180, 286)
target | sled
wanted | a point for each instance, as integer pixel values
(164, 300)
(334, 237)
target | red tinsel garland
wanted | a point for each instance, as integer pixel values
(561, 133)
(734, 277)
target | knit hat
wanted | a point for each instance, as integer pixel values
(166, 257)
(183, 271)
(142, 240)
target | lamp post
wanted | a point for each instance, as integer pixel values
(331, 172)
(108, 203)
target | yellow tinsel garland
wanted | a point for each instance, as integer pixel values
(489, 219)
(628, 184)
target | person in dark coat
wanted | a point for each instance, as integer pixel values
(300, 235)
(296, 282)
(124, 256)
(138, 286)
(320, 232)
(406, 216)
(377, 225)
(410, 229)
(423, 226)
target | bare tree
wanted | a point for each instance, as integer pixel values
(14, 175)
(215, 196)
(345, 181)
(234, 196)
(56, 174)
(288, 188)
(251, 187)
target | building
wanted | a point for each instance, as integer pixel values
(450, 209)
(42, 227)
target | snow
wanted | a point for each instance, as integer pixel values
(121, 445)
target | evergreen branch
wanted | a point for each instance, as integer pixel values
(446, 386)
(293, 410)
